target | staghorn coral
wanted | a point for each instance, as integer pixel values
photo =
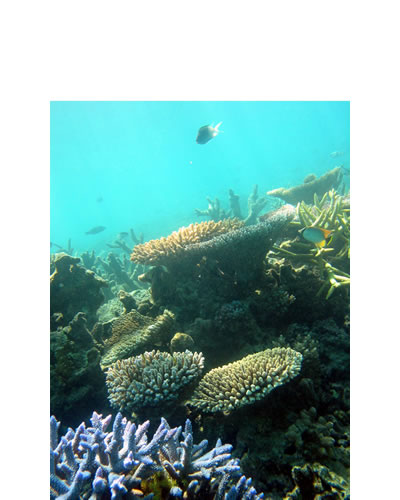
(74, 289)
(160, 251)
(151, 379)
(317, 481)
(332, 260)
(245, 381)
(311, 186)
(254, 207)
(91, 463)
(131, 333)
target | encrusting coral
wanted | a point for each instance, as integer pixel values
(160, 251)
(311, 186)
(133, 333)
(245, 381)
(91, 463)
(331, 212)
(151, 379)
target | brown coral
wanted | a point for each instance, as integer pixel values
(132, 333)
(305, 192)
(245, 381)
(160, 251)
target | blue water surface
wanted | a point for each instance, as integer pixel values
(137, 165)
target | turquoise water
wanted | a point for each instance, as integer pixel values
(136, 165)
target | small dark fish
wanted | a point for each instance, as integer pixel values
(99, 199)
(95, 230)
(207, 133)
(122, 235)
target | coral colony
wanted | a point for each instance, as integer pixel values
(92, 463)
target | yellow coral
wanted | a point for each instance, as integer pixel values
(159, 251)
(245, 381)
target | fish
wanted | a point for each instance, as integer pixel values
(316, 235)
(95, 230)
(207, 133)
(335, 154)
(99, 199)
(122, 235)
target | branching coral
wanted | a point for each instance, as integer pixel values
(160, 251)
(245, 381)
(132, 333)
(92, 463)
(332, 260)
(254, 206)
(311, 186)
(151, 379)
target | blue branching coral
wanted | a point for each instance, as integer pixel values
(93, 464)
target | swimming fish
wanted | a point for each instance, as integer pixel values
(122, 235)
(95, 230)
(207, 133)
(335, 154)
(316, 235)
(99, 199)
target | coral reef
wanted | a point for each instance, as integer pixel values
(76, 380)
(181, 341)
(131, 334)
(120, 272)
(152, 379)
(245, 381)
(74, 289)
(316, 481)
(311, 186)
(254, 207)
(331, 260)
(92, 463)
(161, 251)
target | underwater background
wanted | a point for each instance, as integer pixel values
(180, 290)
(142, 161)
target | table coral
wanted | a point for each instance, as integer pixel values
(92, 463)
(245, 381)
(306, 191)
(133, 333)
(151, 379)
(160, 251)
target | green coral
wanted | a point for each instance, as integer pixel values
(331, 212)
